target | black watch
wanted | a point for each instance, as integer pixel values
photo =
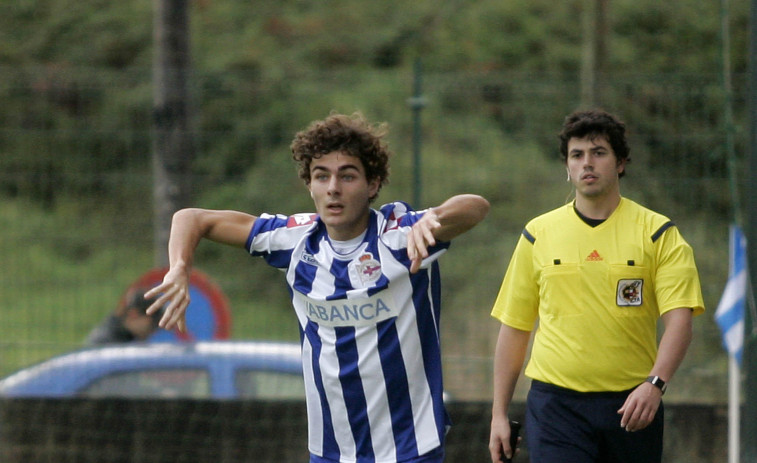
(657, 381)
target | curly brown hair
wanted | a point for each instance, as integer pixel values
(352, 135)
(595, 123)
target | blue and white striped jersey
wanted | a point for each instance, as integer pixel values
(370, 335)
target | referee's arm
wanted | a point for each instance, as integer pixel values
(640, 407)
(509, 355)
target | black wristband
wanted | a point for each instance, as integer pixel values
(658, 382)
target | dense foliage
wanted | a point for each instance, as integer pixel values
(271, 50)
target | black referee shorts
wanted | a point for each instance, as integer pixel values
(565, 426)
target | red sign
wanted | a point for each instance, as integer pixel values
(207, 316)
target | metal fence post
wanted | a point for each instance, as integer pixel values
(749, 429)
(172, 138)
(417, 102)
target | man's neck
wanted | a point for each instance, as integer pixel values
(597, 208)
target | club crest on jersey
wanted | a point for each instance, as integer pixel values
(368, 268)
(629, 293)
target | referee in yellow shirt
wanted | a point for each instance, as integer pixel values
(596, 274)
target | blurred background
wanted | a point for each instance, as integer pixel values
(474, 93)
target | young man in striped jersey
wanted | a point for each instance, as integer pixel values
(365, 287)
(597, 273)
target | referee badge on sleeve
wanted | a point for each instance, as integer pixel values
(629, 293)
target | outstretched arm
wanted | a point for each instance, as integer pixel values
(188, 227)
(453, 217)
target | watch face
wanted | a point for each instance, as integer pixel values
(655, 380)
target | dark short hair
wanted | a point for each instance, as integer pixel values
(595, 123)
(135, 300)
(352, 135)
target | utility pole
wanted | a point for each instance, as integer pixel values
(594, 59)
(172, 148)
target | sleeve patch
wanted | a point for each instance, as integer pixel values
(662, 230)
(299, 220)
(528, 236)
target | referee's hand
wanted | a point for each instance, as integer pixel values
(640, 407)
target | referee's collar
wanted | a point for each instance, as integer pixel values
(587, 220)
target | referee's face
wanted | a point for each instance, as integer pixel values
(593, 167)
(341, 194)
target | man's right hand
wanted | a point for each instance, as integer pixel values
(499, 440)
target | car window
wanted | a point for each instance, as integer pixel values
(269, 385)
(166, 383)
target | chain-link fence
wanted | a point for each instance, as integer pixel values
(76, 189)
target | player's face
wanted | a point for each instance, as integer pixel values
(593, 167)
(139, 324)
(341, 194)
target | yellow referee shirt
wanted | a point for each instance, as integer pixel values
(597, 293)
